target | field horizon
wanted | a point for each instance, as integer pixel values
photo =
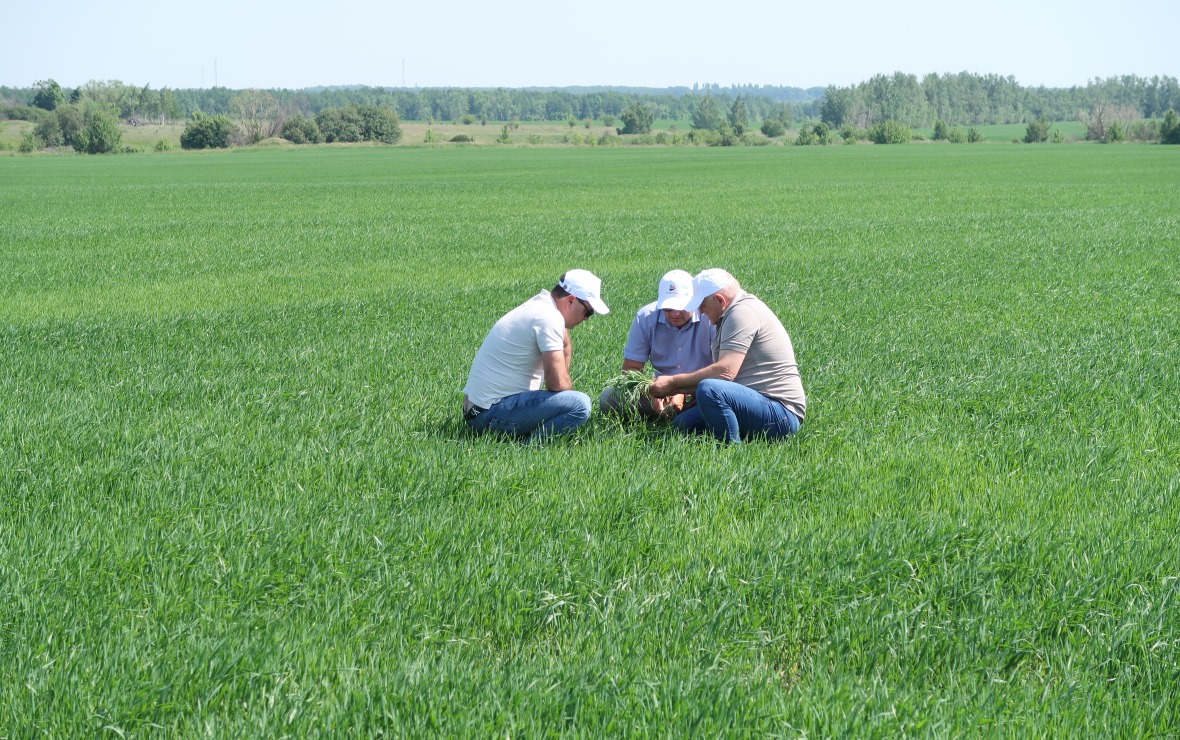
(236, 497)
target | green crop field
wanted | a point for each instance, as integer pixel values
(236, 497)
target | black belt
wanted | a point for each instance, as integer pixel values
(473, 412)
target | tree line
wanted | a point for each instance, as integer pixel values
(969, 99)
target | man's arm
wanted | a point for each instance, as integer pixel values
(633, 365)
(727, 366)
(556, 366)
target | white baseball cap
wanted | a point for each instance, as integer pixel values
(675, 291)
(706, 283)
(587, 286)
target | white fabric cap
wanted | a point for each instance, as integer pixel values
(706, 283)
(587, 286)
(675, 291)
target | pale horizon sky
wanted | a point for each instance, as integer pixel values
(529, 43)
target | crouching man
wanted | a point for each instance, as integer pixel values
(529, 347)
(753, 387)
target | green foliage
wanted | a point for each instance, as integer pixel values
(1056, 136)
(504, 137)
(100, 136)
(823, 134)
(1170, 128)
(739, 117)
(852, 134)
(21, 113)
(805, 137)
(974, 135)
(1115, 132)
(70, 121)
(356, 123)
(889, 132)
(468, 119)
(608, 120)
(773, 128)
(48, 130)
(1036, 132)
(572, 121)
(29, 143)
(300, 130)
(163, 145)
(461, 139)
(956, 135)
(535, 139)
(940, 130)
(705, 116)
(637, 119)
(207, 132)
(48, 95)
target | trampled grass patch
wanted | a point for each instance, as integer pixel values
(236, 495)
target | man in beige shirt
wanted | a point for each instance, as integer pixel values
(753, 387)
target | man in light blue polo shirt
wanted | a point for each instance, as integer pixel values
(672, 339)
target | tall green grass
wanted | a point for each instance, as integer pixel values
(236, 497)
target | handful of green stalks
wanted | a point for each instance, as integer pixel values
(630, 385)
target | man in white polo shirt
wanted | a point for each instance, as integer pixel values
(529, 348)
(753, 387)
(672, 339)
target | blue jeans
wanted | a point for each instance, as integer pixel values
(537, 415)
(731, 412)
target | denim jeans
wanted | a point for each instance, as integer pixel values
(731, 412)
(537, 415)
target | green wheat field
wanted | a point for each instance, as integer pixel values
(236, 497)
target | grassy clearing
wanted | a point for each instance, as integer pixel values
(235, 496)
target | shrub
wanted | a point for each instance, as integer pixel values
(889, 132)
(503, 138)
(207, 132)
(823, 134)
(29, 143)
(101, 136)
(48, 130)
(773, 128)
(300, 130)
(852, 134)
(917, 136)
(940, 130)
(467, 119)
(974, 135)
(354, 123)
(955, 135)
(1056, 137)
(534, 139)
(461, 139)
(1115, 132)
(163, 145)
(608, 121)
(1036, 132)
(637, 119)
(1170, 128)
(1143, 131)
(805, 137)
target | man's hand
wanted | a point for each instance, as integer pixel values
(668, 405)
(661, 387)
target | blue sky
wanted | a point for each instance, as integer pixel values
(456, 43)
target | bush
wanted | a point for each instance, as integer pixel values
(940, 130)
(207, 132)
(974, 135)
(851, 134)
(637, 119)
(1170, 128)
(30, 143)
(467, 119)
(354, 123)
(503, 138)
(889, 132)
(773, 128)
(48, 130)
(300, 130)
(534, 139)
(1036, 132)
(101, 136)
(823, 134)
(955, 135)
(163, 145)
(21, 113)
(461, 139)
(1115, 132)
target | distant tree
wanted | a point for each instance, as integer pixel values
(258, 114)
(503, 138)
(739, 118)
(71, 122)
(823, 134)
(940, 131)
(637, 119)
(1116, 131)
(360, 123)
(49, 95)
(706, 115)
(207, 132)
(1036, 132)
(300, 130)
(974, 135)
(48, 131)
(773, 128)
(1170, 128)
(889, 132)
(101, 135)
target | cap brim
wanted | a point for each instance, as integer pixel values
(598, 305)
(674, 303)
(695, 302)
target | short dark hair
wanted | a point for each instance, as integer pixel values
(558, 291)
